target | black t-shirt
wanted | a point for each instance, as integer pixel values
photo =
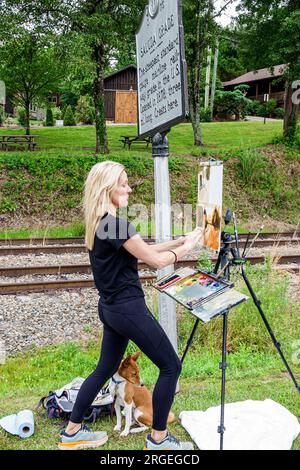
(115, 270)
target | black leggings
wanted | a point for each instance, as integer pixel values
(132, 320)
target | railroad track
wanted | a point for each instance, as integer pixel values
(76, 248)
(42, 286)
(44, 241)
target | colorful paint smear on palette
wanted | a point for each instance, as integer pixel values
(194, 289)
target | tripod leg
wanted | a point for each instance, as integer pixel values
(223, 366)
(267, 325)
(190, 340)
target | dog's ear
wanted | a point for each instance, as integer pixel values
(135, 356)
(125, 361)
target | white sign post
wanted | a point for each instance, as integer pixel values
(266, 100)
(162, 103)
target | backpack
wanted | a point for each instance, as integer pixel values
(59, 404)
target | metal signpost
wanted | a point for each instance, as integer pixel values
(162, 103)
(266, 99)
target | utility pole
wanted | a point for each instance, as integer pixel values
(207, 80)
(214, 78)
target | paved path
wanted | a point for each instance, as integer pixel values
(261, 119)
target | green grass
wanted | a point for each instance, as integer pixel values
(224, 136)
(50, 181)
(74, 230)
(78, 230)
(255, 370)
(248, 377)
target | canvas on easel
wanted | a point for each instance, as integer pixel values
(209, 205)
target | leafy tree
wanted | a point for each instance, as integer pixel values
(80, 72)
(197, 18)
(69, 119)
(30, 68)
(201, 31)
(49, 117)
(105, 25)
(102, 25)
(85, 112)
(231, 62)
(270, 34)
(21, 116)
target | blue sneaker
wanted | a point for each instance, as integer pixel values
(168, 443)
(84, 438)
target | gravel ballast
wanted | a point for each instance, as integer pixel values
(40, 319)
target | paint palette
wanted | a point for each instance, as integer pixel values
(191, 287)
(218, 305)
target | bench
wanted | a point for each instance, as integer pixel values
(129, 140)
(10, 140)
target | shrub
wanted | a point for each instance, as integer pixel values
(253, 108)
(251, 166)
(271, 105)
(57, 113)
(228, 103)
(69, 119)
(266, 109)
(85, 112)
(9, 121)
(21, 114)
(63, 111)
(49, 117)
(262, 110)
(205, 115)
(279, 113)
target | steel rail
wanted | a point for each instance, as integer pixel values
(41, 286)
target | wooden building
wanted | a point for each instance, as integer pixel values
(120, 90)
(262, 82)
(121, 96)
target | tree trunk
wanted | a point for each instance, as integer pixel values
(290, 114)
(214, 79)
(98, 94)
(194, 89)
(196, 69)
(27, 117)
(195, 118)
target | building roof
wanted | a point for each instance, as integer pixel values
(121, 70)
(256, 75)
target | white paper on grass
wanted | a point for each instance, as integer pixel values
(250, 425)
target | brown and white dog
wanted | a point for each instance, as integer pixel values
(131, 394)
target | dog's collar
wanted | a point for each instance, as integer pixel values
(117, 382)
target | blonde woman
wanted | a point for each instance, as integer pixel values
(114, 249)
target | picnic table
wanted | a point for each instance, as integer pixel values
(8, 140)
(134, 139)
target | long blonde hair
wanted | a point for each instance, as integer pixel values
(101, 181)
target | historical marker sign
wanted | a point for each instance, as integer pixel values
(161, 67)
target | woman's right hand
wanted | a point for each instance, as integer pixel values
(192, 239)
